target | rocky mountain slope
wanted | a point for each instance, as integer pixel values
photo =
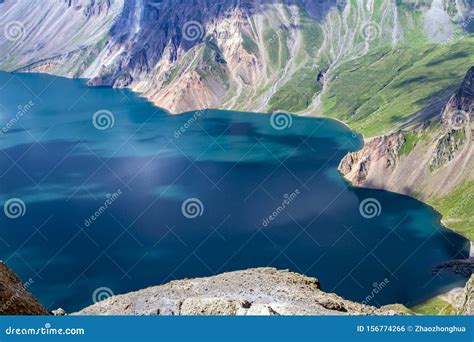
(387, 68)
(433, 161)
(15, 298)
(465, 302)
(260, 291)
(255, 55)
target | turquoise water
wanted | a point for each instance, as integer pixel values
(104, 208)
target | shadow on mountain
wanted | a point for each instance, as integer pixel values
(163, 22)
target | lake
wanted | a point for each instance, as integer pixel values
(105, 193)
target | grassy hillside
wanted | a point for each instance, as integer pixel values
(375, 93)
(457, 209)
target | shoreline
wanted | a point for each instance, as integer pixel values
(365, 140)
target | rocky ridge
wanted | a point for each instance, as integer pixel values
(260, 291)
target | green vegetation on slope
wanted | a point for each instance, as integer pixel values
(376, 92)
(276, 44)
(296, 94)
(456, 209)
(411, 19)
(433, 306)
(411, 139)
(213, 62)
(249, 45)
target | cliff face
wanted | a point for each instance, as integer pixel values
(261, 291)
(429, 162)
(465, 302)
(14, 296)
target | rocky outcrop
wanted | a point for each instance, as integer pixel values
(260, 291)
(447, 148)
(379, 155)
(14, 296)
(464, 304)
(427, 161)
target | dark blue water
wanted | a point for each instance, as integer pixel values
(237, 169)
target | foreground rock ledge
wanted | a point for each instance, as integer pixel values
(260, 291)
(14, 296)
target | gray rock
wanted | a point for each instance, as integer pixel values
(260, 291)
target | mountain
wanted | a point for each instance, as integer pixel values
(398, 72)
(256, 55)
(433, 161)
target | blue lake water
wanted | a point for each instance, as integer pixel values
(103, 208)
